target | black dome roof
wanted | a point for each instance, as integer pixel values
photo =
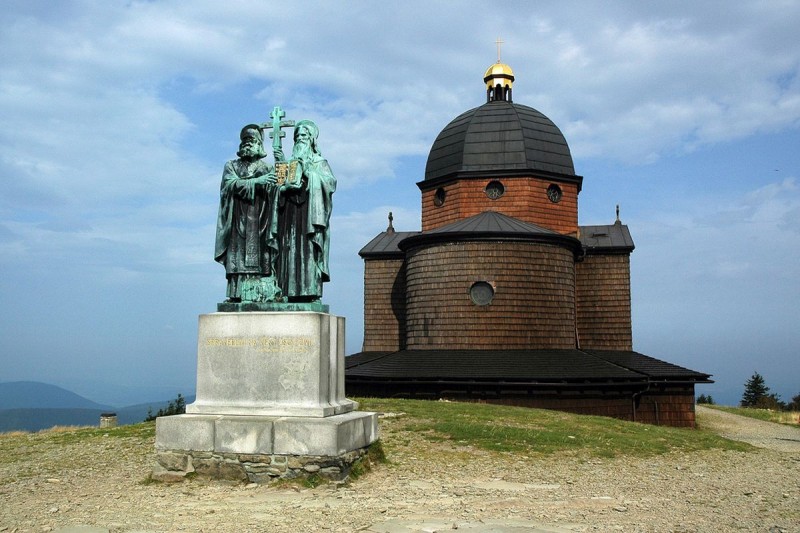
(499, 136)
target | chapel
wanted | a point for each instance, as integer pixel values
(503, 297)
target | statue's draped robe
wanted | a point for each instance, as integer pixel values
(247, 240)
(304, 216)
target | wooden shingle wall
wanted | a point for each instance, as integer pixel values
(384, 304)
(673, 407)
(663, 405)
(604, 302)
(614, 407)
(666, 405)
(525, 198)
(533, 305)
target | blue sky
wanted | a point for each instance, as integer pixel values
(117, 118)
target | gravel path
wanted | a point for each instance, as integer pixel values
(426, 487)
(756, 432)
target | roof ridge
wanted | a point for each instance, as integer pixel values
(590, 354)
(472, 223)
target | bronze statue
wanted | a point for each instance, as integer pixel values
(247, 240)
(304, 218)
(273, 227)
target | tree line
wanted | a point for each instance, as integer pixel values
(757, 395)
(175, 407)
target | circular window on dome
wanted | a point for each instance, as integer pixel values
(438, 197)
(554, 193)
(495, 190)
(481, 292)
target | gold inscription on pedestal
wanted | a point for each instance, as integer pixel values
(265, 344)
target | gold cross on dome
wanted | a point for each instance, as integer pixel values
(498, 42)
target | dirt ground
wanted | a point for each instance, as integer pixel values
(425, 487)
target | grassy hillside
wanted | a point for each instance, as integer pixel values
(535, 431)
(781, 417)
(467, 463)
(464, 425)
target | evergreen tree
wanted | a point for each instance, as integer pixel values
(771, 401)
(794, 405)
(755, 390)
(175, 407)
(703, 399)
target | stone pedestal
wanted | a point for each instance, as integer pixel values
(270, 401)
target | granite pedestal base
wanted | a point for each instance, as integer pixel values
(257, 448)
(270, 393)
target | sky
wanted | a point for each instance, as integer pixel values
(116, 119)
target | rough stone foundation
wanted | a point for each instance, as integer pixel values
(176, 465)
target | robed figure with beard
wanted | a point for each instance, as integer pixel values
(304, 215)
(247, 229)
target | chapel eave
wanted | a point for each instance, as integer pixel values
(491, 226)
(526, 368)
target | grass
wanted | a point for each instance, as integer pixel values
(780, 417)
(66, 451)
(375, 455)
(19, 445)
(69, 435)
(522, 430)
(435, 431)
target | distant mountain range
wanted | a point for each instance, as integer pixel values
(33, 394)
(32, 406)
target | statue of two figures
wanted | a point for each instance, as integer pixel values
(273, 227)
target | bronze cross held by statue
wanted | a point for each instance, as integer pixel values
(276, 134)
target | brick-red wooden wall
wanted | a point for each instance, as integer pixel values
(663, 404)
(673, 407)
(533, 306)
(525, 198)
(603, 292)
(384, 305)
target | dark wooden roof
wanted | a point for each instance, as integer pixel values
(606, 239)
(385, 244)
(611, 238)
(530, 366)
(499, 136)
(649, 366)
(491, 222)
(490, 225)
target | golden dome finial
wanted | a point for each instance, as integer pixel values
(499, 79)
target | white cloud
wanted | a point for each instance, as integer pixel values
(637, 86)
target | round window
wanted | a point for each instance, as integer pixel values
(481, 293)
(438, 197)
(495, 190)
(554, 193)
